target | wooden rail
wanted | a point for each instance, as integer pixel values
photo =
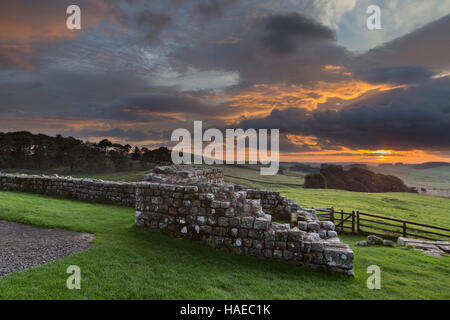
(365, 223)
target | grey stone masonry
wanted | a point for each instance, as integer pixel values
(185, 174)
(272, 202)
(230, 217)
(120, 193)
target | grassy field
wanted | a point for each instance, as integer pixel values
(407, 206)
(116, 176)
(130, 263)
(438, 177)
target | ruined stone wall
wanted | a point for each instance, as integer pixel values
(185, 174)
(227, 219)
(120, 193)
(224, 215)
(272, 202)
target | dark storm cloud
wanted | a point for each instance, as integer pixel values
(285, 33)
(112, 95)
(410, 59)
(270, 52)
(397, 74)
(427, 46)
(408, 118)
(148, 24)
(207, 10)
(292, 48)
(168, 102)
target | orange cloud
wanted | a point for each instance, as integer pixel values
(259, 100)
(371, 156)
(23, 25)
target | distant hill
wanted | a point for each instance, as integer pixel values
(354, 179)
(357, 165)
(429, 165)
(303, 168)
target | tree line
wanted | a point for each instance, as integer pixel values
(24, 150)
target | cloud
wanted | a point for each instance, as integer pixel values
(305, 47)
(401, 119)
(25, 24)
(413, 58)
(146, 23)
(427, 46)
(398, 18)
(162, 64)
(397, 74)
(209, 10)
(118, 133)
(285, 33)
(168, 103)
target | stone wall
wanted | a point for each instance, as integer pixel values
(227, 219)
(272, 202)
(185, 174)
(120, 193)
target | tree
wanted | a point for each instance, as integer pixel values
(136, 154)
(105, 144)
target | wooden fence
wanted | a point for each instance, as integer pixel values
(356, 222)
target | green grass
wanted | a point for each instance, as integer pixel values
(408, 206)
(247, 172)
(438, 177)
(131, 263)
(115, 176)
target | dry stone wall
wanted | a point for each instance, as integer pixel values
(120, 193)
(182, 174)
(228, 217)
(272, 202)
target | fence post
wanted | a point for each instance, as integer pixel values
(404, 229)
(353, 221)
(357, 221)
(332, 214)
(342, 221)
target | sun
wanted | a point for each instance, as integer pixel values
(383, 152)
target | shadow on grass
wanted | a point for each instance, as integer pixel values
(195, 253)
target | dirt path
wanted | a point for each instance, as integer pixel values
(23, 247)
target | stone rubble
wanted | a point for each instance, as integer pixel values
(373, 240)
(431, 248)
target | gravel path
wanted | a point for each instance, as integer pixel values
(23, 247)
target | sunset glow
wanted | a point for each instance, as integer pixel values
(134, 73)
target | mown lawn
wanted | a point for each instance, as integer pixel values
(130, 263)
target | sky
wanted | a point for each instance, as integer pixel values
(137, 70)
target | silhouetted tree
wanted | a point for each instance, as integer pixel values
(28, 151)
(136, 154)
